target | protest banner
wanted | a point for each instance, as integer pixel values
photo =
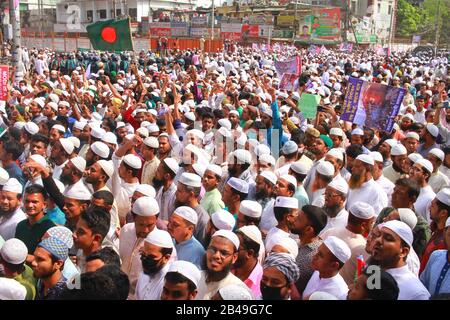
(289, 82)
(346, 47)
(308, 105)
(288, 66)
(4, 78)
(373, 105)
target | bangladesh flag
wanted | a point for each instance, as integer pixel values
(111, 35)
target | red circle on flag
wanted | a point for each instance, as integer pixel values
(109, 34)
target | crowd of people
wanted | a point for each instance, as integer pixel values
(193, 176)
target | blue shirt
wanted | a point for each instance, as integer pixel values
(15, 172)
(276, 125)
(191, 250)
(56, 215)
(436, 276)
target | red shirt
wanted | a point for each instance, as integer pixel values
(436, 243)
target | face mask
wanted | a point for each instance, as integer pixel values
(271, 293)
(149, 265)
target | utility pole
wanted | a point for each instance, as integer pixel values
(436, 43)
(212, 21)
(14, 18)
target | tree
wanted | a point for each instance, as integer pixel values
(408, 19)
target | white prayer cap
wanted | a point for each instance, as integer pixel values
(413, 135)
(107, 166)
(225, 132)
(261, 149)
(269, 175)
(142, 132)
(414, 157)
(78, 192)
(391, 142)
(187, 269)
(409, 116)
(133, 161)
(13, 185)
(199, 169)
(337, 132)
(250, 208)
(80, 125)
(357, 131)
(53, 105)
(11, 289)
(61, 233)
(217, 170)
(289, 147)
(300, 167)
(433, 130)
(267, 158)
(286, 202)
(325, 168)
(67, 145)
(76, 142)
(234, 112)
(366, 159)
(339, 185)
(321, 295)
(187, 214)
(225, 123)
(408, 216)
(235, 292)
(54, 98)
(59, 128)
(238, 184)
(159, 238)
(110, 137)
(336, 153)
(243, 156)
(444, 196)
(290, 179)
(190, 116)
(362, 210)
(31, 127)
(230, 235)
(398, 150)
(172, 164)
(98, 133)
(401, 229)
(376, 156)
(120, 124)
(152, 128)
(4, 176)
(425, 164)
(146, 190)
(191, 179)
(145, 207)
(338, 248)
(64, 104)
(438, 153)
(223, 220)
(39, 159)
(14, 251)
(253, 233)
(195, 132)
(40, 102)
(100, 149)
(79, 163)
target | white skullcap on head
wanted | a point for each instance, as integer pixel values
(444, 196)
(253, 233)
(413, 135)
(11, 289)
(14, 251)
(172, 164)
(79, 163)
(409, 116)
(286, 202)
(110, 137)
(238, 184)
(243, 156)
(338, 248)
(191, 179)
(217, 170)
(398, 150)
(269, 175)
(225, 123)
(223, 220)
(289, 244)
(190, 116)
(339, 185)
(437, 153)
(151, 142)
(39, 159)
(376, 156)
(321, 295)
(336, 153)
(366, 159)
(235, 292)
(76, 142)
(433, 130)
(100, 149)
(187, 214)
(337, 132)
(408, 216)
(261, 149)
(199, 169)
(290, 179)
(78, 192)
(225, 132)
(143, 132)
(299, 167)
(358, 132)
(187, 269)
(13, 185)
(59, 128)
(4, 176)
(267, 158)
(152, 128)
(67, 145)
(414, 157)
(401, 229)
(391, 142)
(325, 168)
(146, 190)
(230, 235)
(107, 166)
(159, 238)
(425, 164)
(98, 133)
(53, 105)
(250, 208)
(447, 222)
(145, 207)
(133, 161)
(32, 128)
(362, 210)
(80, 125)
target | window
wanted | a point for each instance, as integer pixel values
(379, 7)
(390, 9)
(118, 12)
(101, 14)
(132, 13)
(89, 15)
